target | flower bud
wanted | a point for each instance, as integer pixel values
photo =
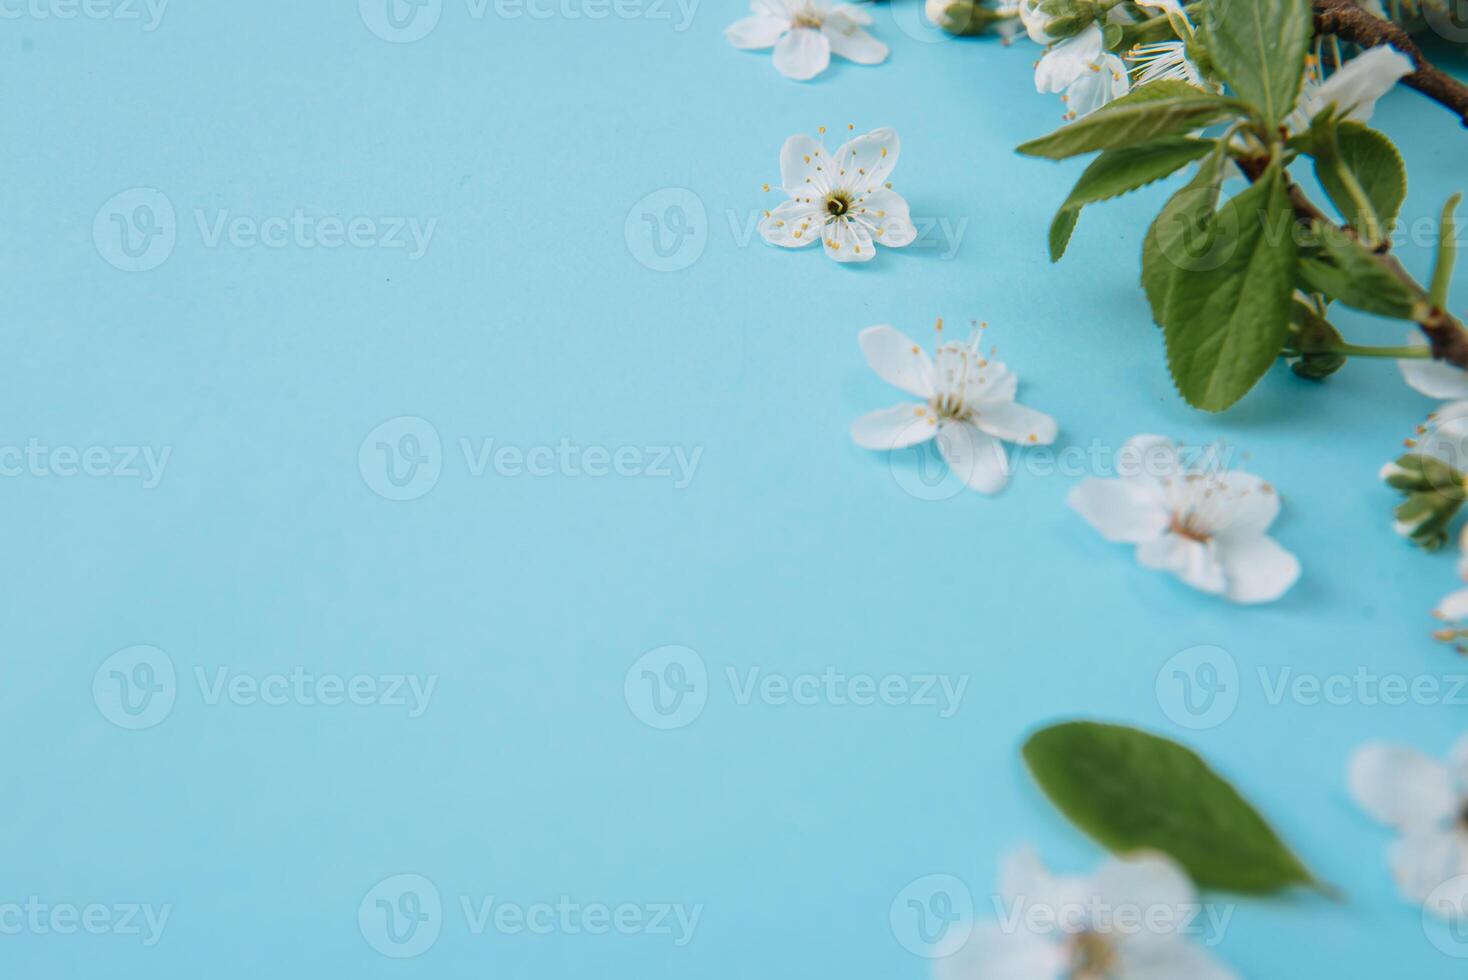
(1316, 367)
(1424, 518)
(963, 17)
(1310, 349)
(1054, 20)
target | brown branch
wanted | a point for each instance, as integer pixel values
(1349, 22)
(1446, 336)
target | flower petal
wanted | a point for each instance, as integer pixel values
(1192, 561)
(995, 383)
(1422, 860)
(1249, 504)
(1400, 787)
(851, 14)
(1023, 878)
(852, 43)
(1258, 569)
(1454, 607)
(865, 163)
(1068, 60)
(977, 459)
(894, 428)
(1145, 880)
(1435, 379)
(757, 32)
(994, 953)
(1014, 422)
(1117, 511)
(802, 54)
(885, 212)
(803, 167)
(897, 360)
(1355, 88)
(1105, 79)
(1446, 437)
(1034, 21)
(794, 224)
(848, 241)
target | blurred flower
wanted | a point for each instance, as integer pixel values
(1446, 436)
(843, 200)
(1454, 607)
(1125, 922)
(1424, 799)
(1204, 525)
(805, 33)
(968, 406)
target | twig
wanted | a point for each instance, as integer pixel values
(1445, 334)
(1346, 20)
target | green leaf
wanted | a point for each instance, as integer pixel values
(1373, 161)
(1259, 47)
(1116, 172)
(1225, 322)
(1146, 114)
(1060, 231)
(1172, 245)
(1447, 253)
(1130, 791)
(1350, 274)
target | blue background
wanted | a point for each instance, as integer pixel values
(530, 320)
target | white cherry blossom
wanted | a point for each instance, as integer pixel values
(1353, 89)
(844, 200)
(1125, 922)
(1082, 72)
(1427, 801)
(805, 33)
(967, 405)
(1202, 524)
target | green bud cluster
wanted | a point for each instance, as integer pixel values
(965, 18)
(1067, 18)
(1435, 492)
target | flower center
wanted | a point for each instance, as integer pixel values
(1185, 525)
(806, 18)
(838, 202)
(1091, 957)
(950, 407)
